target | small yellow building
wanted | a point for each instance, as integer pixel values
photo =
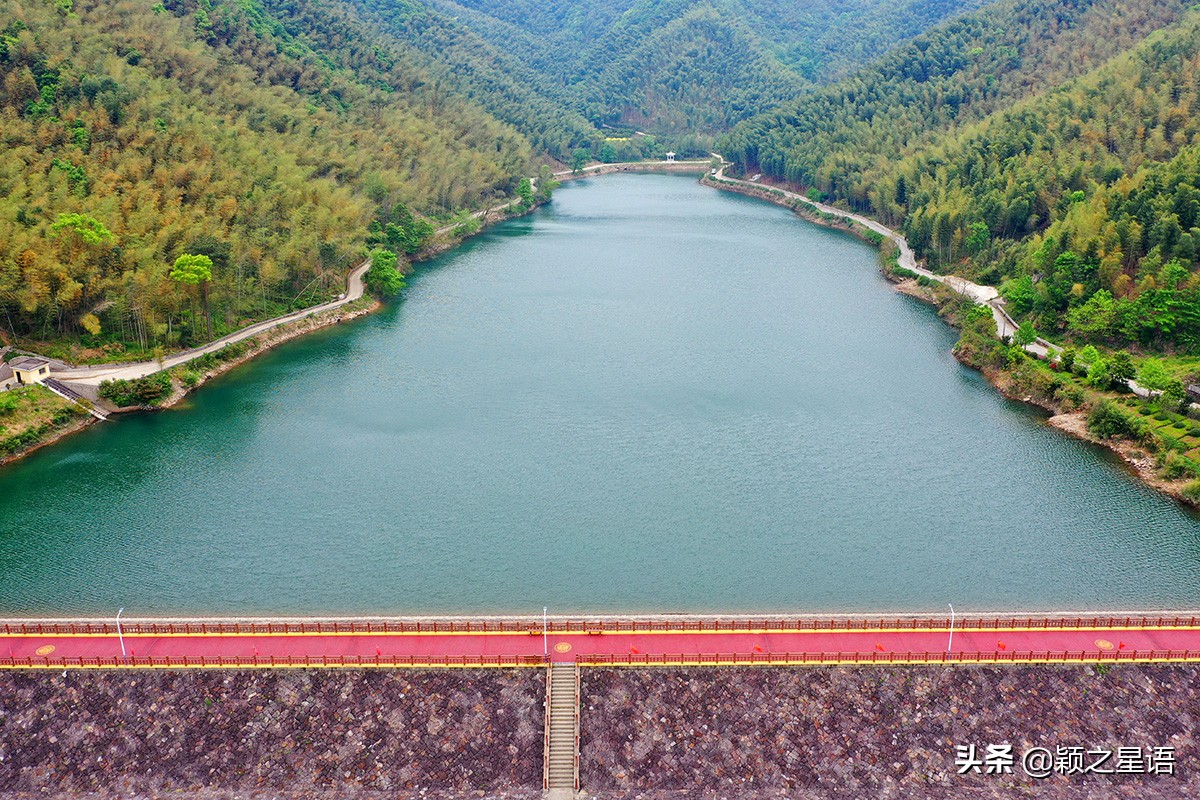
(29, 370)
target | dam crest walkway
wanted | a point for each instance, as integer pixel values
(597, 641)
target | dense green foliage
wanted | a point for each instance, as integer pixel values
(845, 140)
(1108, 421)
(135, 133)
(1044, 145)
(145, 391)
(1033, 144)
(383, 279)
(460, 60)
(557, 69)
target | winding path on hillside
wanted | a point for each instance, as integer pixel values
(355, 289)
(483, 642)
(982, 294)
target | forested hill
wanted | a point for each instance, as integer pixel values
(1052, 148)
(838, 139)
(1044, 144)
(139, 131)
(281, 139)
(457, 61)
(665, 66)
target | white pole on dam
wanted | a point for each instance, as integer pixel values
(950, 643)
(120, 635)
(545, 640)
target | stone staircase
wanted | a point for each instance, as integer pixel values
(67, 393)
(561, 770)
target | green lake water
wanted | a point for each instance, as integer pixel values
(648, 395)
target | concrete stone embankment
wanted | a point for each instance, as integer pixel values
(878, 732)
(650, 734)
(306, 733)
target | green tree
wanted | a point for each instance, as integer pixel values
(579, 160)
(192, 269)
(1088, 356)
(1175, 395)
(1094, 319)
(1153, 375)
(407, 232)
(195, 270)
(978, 338)
(1026, 334)
(88, 229)
(1020, 295)
(384, 278)
(1099, 374)
(525, 192)
(978, 238)
(1108, 421)
(1121, 367)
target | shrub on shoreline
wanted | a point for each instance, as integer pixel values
(145, 391)
(1108, 421)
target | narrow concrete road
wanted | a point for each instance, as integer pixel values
(568, 174)
(355, 288)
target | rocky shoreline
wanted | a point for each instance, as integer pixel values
(771, 195)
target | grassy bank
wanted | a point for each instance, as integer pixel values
(32, 416)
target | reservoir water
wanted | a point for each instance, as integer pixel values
(648, 395)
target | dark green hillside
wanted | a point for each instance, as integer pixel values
(838, 139)
(1079, 191)
(137, 132)
(465, 63)
(1092, 189)
(676, 67)
(699, 73)
(1044, 144)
